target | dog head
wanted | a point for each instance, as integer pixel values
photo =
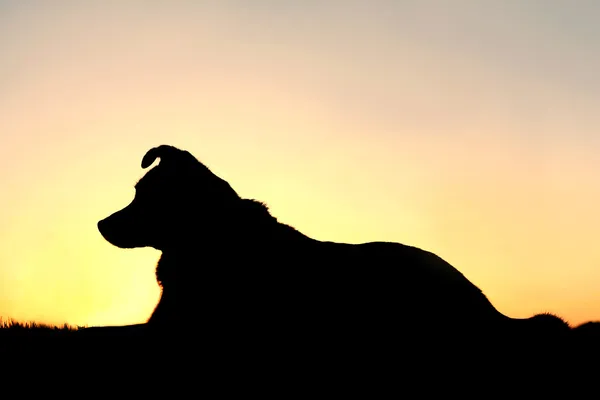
(177, 199)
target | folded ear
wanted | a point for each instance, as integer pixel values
(165, 152)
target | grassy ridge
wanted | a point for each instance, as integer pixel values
(15, 325)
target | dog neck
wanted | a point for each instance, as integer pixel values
(248, 225)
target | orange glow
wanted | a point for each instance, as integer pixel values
(349, 129)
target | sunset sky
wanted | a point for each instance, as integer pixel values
(467, 128)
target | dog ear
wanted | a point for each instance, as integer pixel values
(163, 151)
(174, 155)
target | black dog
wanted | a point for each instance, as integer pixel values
(243, 277)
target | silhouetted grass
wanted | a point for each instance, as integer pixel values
(31, 325)
(30, 338)
(13, 331)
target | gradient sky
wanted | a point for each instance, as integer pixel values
(468, 128)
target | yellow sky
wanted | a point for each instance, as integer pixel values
(469, 130)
